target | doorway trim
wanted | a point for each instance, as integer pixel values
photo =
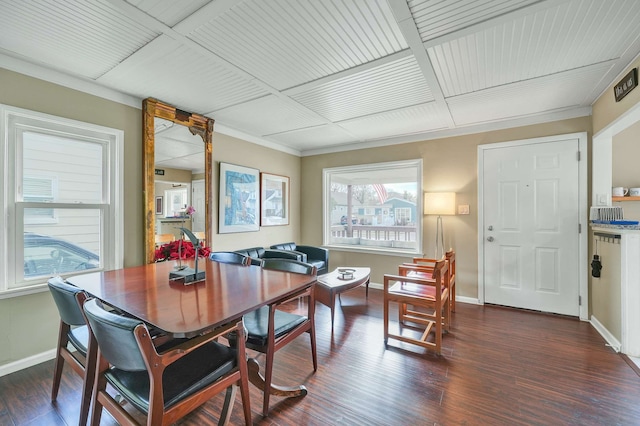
(582, 212)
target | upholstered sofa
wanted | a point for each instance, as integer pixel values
(317, 256)
(258, 253)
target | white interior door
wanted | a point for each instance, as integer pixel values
(197, 201)
(531, 221)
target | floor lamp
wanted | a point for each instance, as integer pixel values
(439, 203)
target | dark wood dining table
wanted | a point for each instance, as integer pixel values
(183, 311)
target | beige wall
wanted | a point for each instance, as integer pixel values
(606, 109)
(625, 150)
(227, 149)
(30, 323)
(605, 301)
(605, 291)
(449, 164)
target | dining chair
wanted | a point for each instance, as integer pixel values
(73, 330)
(230, 257)
(269, 328)
(163, 384)
(430, 294)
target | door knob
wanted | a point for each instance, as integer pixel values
(490, 239)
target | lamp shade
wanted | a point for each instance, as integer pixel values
(440, 203)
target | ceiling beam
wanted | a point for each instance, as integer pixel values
(410, 32)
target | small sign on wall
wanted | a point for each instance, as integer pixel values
(160, 172)
(627, 84)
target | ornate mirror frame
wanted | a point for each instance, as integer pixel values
(197, 125)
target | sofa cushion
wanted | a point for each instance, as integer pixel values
(316, 256)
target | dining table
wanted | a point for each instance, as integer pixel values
(180, 310)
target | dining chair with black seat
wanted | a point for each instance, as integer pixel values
(73, 330)
(163, 384)
(230, 257)
(428, 298)
(269, 328)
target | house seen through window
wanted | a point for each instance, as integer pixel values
(374, 206)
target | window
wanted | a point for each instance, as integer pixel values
(39, 189)
(63, 200)
(177, 200)
(374, 207)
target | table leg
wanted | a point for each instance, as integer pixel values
(257, 380)
(333, 307)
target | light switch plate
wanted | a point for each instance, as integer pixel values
(602, 199)
(463, 209)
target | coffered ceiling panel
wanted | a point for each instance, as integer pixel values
(319, 137)
(164, 69)
(569, 36)
(85, 38)
(400, 122)
(394, 85)
(437, 18)
(267, 115)
(313, 76)
(288, 42)
(557, 92)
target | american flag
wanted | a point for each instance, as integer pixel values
(381, 191)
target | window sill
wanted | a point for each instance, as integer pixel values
(23, 291)
(372, 250)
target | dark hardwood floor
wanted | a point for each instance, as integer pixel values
(500, 366)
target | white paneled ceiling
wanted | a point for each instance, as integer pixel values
(316, 76)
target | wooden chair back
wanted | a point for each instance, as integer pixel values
(73, 330)
(288, 325)
(230, 257)
(413, 291)
(193, 371)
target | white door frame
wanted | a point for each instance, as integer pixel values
(583, 216)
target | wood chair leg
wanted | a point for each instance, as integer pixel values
(227, 407)
(57, 371)
(89, 378)
(385, 319)
(312, 332)
(268, 370)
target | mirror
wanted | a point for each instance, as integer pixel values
(177, 154)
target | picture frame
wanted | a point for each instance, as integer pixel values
(239, 199)
(159, 205)
(274, 199)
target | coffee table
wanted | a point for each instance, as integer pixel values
(335, 282)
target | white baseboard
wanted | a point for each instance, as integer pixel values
(469, 300)
(608, 337)
(12, 367)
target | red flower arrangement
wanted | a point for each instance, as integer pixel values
(173, 251)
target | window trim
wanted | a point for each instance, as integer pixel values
(371, 167)
(112, 244)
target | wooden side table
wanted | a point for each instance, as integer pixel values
(332, 284)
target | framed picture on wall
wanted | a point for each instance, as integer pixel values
(159, 206)
(274, 199)
(239, 199)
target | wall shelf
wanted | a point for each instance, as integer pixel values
(625, 198)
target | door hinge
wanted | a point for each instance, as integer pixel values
(578, 156)
(579, 228)
(579, 300)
